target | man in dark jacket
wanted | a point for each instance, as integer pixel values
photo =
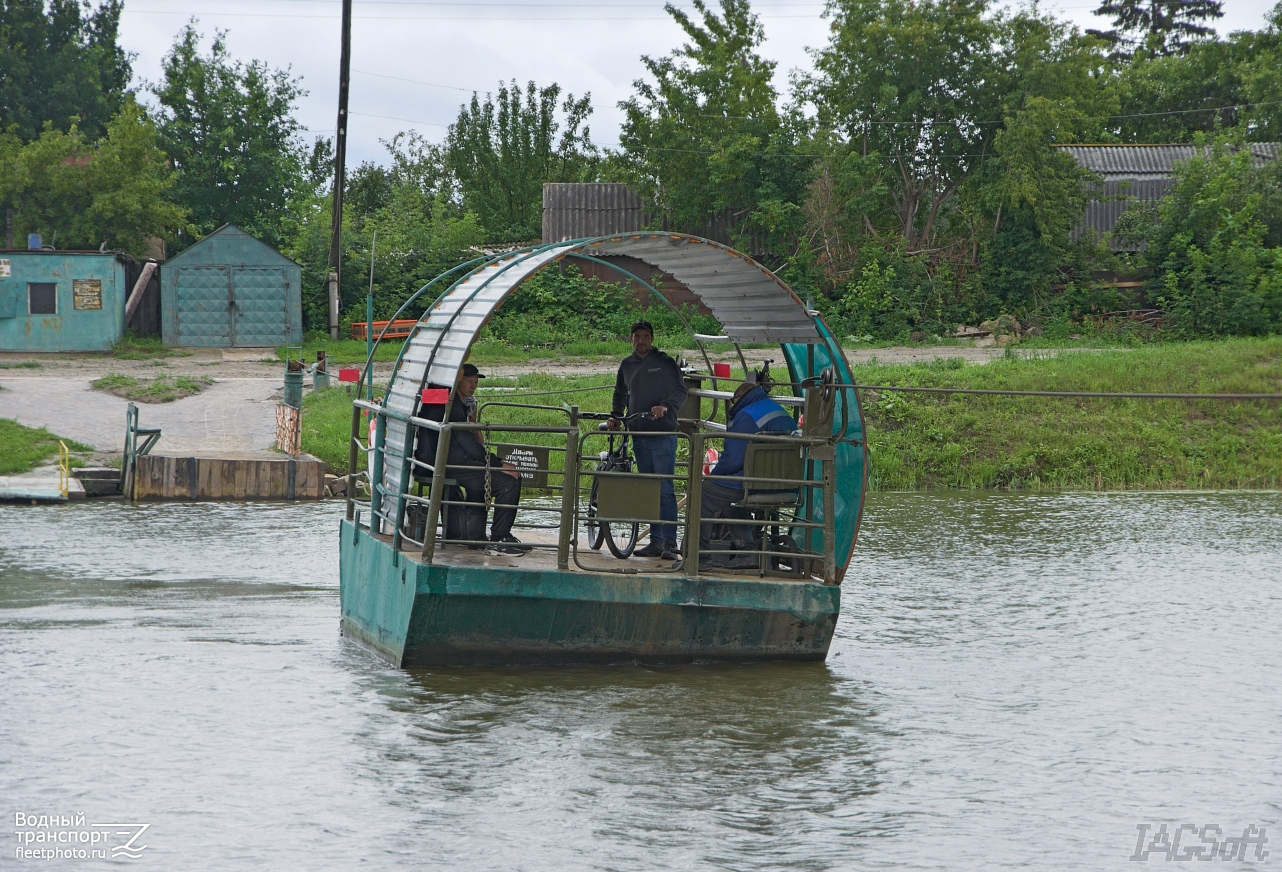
(468, 460)
(751, 411)
(650, 382)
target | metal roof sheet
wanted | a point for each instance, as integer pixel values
(1116, 162)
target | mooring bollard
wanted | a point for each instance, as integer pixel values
(293, 393)
(320, 372)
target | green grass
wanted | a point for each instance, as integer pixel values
(134, 347)
(327, 414)
(161, 389)
(26, 364)
(24, 448)
(921, 442)
(484, 351)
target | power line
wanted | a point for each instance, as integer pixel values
(1066, 394)
(394, 118)
(596, 18)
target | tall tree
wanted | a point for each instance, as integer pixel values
(705, 140)
(502, 150)
(1160, 27)
(60, 63)
(230, 129)
(80, 194)
(919, 90)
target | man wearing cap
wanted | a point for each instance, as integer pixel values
(649, 383)
(468, 460)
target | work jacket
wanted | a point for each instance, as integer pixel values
(646, 382)
(466, 448)
(754, 413)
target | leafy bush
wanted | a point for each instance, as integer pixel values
(1215, 244)
(553, 309)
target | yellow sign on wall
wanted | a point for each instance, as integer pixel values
(86, 293)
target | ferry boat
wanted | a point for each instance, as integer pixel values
(418, 598)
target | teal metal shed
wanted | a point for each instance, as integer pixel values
(231, 289)
(61, 300)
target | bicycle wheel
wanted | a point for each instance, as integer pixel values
(597, 530)
(622, 539)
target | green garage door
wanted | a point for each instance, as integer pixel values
(260, 294)
(204, 306)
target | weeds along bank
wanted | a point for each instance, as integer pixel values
(923, 442)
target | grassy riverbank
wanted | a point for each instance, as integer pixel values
(22, 449)
(921, 442)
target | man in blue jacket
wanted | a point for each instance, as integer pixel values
(751, 411)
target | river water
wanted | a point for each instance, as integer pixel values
(1016, 682)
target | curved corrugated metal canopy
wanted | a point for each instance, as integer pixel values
(751, 303)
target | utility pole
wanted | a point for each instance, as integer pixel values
(340, 161)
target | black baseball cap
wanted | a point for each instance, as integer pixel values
(642, 325)
(469, 369)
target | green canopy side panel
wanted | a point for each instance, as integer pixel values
(852, 450)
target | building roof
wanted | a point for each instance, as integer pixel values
(216, 245)
(1118, 162)
(1137, 173)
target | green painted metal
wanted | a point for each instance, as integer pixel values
(851, 476)
(231, 289)
(70, 328)
(413, 614)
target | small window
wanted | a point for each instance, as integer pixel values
(42, 298)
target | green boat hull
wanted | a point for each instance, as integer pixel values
(412, 614)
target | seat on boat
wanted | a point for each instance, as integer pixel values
(764, 501)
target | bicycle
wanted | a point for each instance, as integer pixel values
(622, 539)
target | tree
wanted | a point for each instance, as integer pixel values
(705, 141)
(230, 130)
(60, 65)
(1160, 27)
(82, 195)
(1215, 242)
(502, 151)
(919, 92)
(421, 228)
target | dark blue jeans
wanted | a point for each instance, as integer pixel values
(658, 455)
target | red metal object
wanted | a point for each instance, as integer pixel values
(435, 396)
(399, 329)
(721, 370)
(349, 374)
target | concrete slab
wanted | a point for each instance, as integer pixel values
(231, 415)
(40, 485)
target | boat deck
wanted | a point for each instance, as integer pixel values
(542, 557)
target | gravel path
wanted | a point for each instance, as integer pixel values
(232, 416)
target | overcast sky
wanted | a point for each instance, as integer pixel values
(415, 61)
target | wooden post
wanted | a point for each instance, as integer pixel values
(140, 287)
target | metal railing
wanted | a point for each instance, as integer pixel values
(392, 509)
